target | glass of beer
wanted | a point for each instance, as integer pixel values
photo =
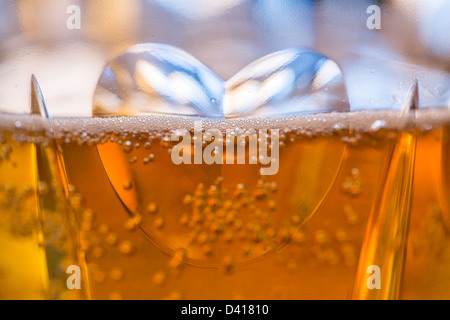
(315, 171)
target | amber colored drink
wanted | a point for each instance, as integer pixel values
(345, 197)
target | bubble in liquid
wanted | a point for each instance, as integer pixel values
(127, 146)
(132, 223)
(207, 249)
(111, 238)
(178, 259)
(353, 183)
(157, 78)
(321, 237)
(341, 235)
(6, 149)
(133, 160)
(273, 187)
(116, 274)
(97, 252)
(159, 277)
(228, 236)
(350, 214)
(76, 201)
(152, 208)
(103, 228)
(127, 248)
(42, 187)
(299, 238)
(175, 295)
(291, 81)
(150, 158)
(187, 199)
(115, 296)
(377, 125)
(88, 215)
(158, 223)
(272, 205)
(227, 264)
(86, 225)
(127, 185)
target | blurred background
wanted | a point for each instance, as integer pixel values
(67, 54)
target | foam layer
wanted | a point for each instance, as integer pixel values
(359, 121)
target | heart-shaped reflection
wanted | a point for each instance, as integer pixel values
(218, 213)
(291, 81)
(158, 78)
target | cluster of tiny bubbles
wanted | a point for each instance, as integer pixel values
(97, 238)
(427, 240)
(174, 295)
(352, 183)
(229, 227)
(5, 151)
(328, 245)
(351, 215)
(131, 142)
(334, 238)
(23, 219)
(177, 258)
(352, 186)
(81, 138)
(321, 250)
(257, 237)
(22, 135)
(351, 137)
(354, 128)
(14, 203)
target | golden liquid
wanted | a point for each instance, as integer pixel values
(22, 264)
(36, 242)
(149, 229)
